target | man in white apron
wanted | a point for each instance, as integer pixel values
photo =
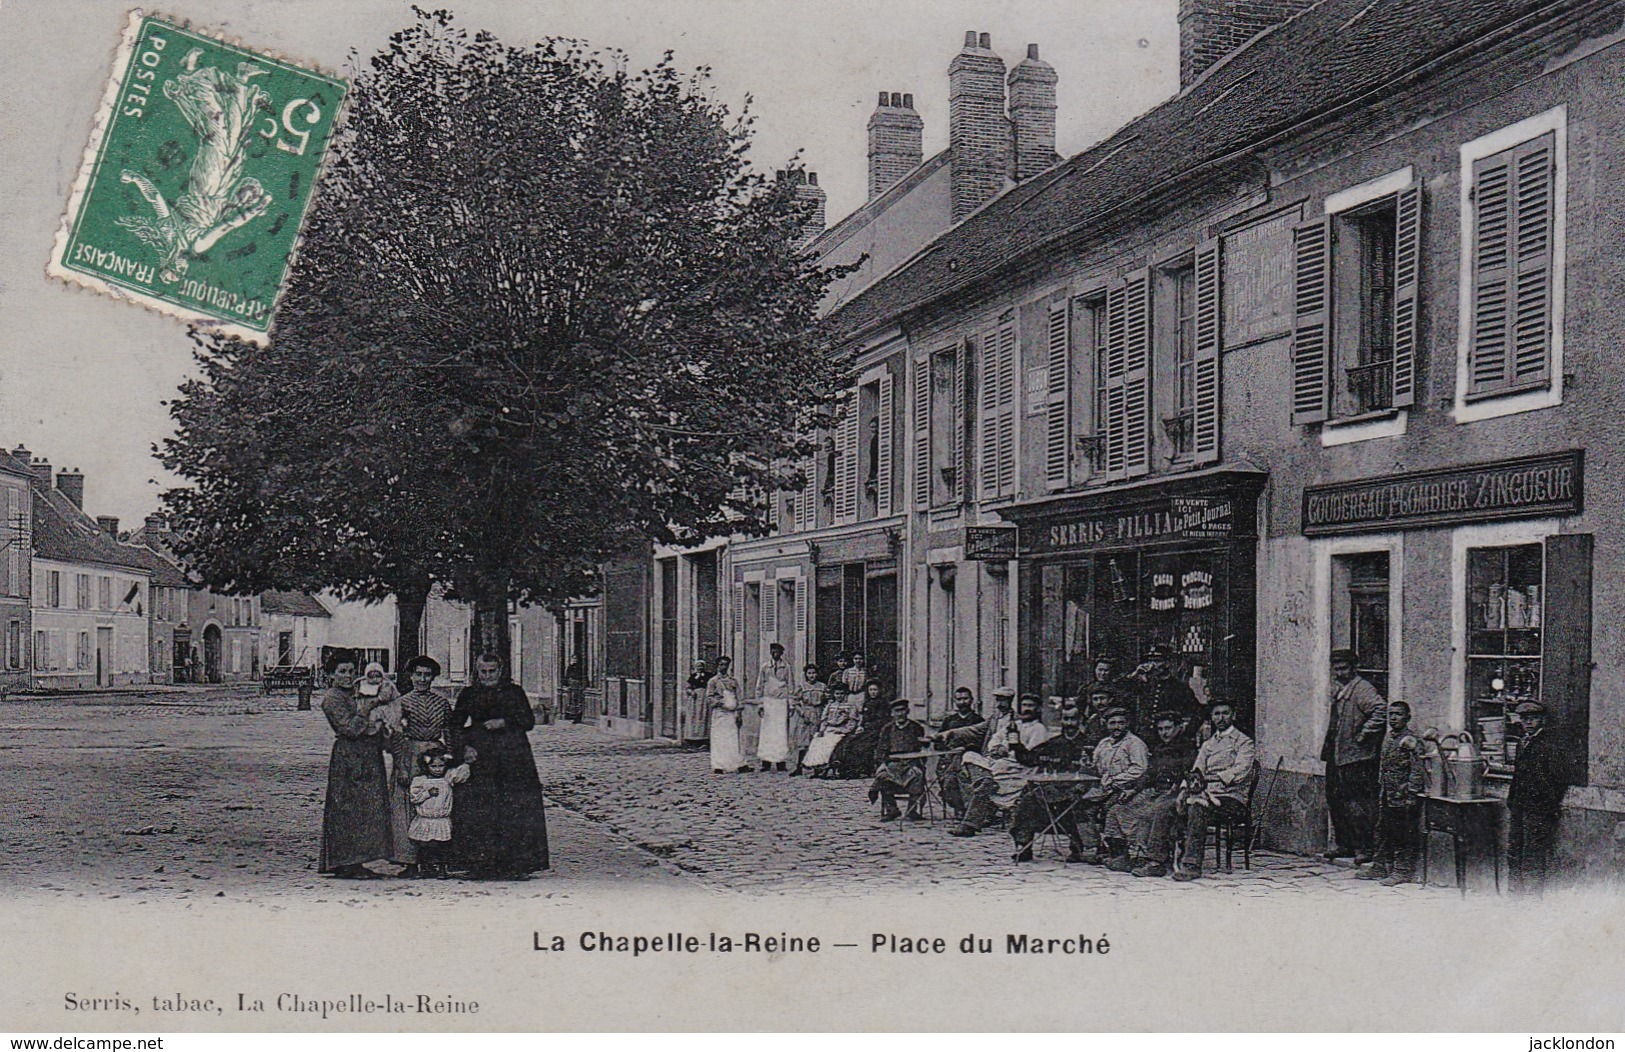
(773, 688)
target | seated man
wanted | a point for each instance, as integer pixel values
(980, 736)
(1099, 700)
(1037, 803)
(1148, 804)
(1220, 781)
(991, 780)
(901, 735)
(1120, 760)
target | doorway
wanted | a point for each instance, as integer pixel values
(211, 654)
(104, 657)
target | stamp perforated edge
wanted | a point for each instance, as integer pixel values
(122, 57)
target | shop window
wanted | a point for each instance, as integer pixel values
(1360, 613)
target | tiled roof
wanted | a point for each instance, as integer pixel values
(165, 573)
(1332, 55)
(298, 604)
(65, 533)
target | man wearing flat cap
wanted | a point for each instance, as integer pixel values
(1533, 803)
(992, 778)
(980, 738)
(1353, 740)
(894, 777)
(1120, 760)
(1154, 688)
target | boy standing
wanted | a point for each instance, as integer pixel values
(1400, 787)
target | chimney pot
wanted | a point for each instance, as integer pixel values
(970, 38)
(884, 98)
(896, 98)
(1032, 51)
(812, 177)
(908, 100)
(987, 42)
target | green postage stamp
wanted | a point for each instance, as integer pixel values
(197, 176)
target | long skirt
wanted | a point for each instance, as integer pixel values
(403, 763)
(498, 819)
(821, 749)
(855, 756)
(725, 741)
(773, 743)
(355, 818)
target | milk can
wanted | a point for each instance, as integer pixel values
(1465, 771)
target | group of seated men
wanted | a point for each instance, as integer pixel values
(1135, 808)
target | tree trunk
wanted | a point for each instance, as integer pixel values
(490, 634)
(409, 605)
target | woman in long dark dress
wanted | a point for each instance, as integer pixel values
(498, 826)
(355, 818)
(854, 757)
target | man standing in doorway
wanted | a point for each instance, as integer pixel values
(1353, 739)
(773, 688)
(1534, 803)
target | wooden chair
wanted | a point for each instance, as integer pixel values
(1226, 829)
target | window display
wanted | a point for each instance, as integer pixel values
(1504, 625)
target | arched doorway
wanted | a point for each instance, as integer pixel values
(211, 654)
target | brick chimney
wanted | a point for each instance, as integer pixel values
(1211, 29)
(72, 485)
(808, 191)
(109, 525)
(896, 137)
(42, 471)
(1032, 115)
(156, 523)
(22, 455)
(978, 130)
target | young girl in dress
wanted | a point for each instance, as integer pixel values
(431, 799)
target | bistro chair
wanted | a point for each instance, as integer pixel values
(1225, 830)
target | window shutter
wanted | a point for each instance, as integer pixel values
(1137, 374)
(1114, 426)
(922, 433)
(883, 473)
(1407, 273)
(1565, 676)
(801, 611)
(1007, 402)
(769, 603)
(846, 461)
(808, 505)
(1534, 171)
(1057, 420)
(962, 448)
(739, 609)
(1311, 273)
(1492, 217)
(1209, 335)
(988, 446)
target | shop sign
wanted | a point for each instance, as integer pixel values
(990, 542)
(1528, 487)
(1172, 519)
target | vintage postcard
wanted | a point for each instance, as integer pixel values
(1071, 515)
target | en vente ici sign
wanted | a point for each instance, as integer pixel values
(1526, 487)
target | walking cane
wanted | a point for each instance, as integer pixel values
(1258, 823)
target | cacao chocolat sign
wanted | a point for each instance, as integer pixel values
(1169, 519)
(1524, 488)
(990, 543)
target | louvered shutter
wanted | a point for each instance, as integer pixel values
(988, 426)
(1205, 412)
(1407, 274)
(962, 447)
(884, 503)
(1058, 380)
(846, 461)
(922, 433)
(801, 611)
(808, 505)
(1114, 427)
(1137, 374)
(1007, 404)
(1311, 274)
(739, 609)
(769, 603)
(1534, 171)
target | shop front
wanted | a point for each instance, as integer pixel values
(1115, 573)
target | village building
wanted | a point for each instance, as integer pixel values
(16, 569)
(294, 630)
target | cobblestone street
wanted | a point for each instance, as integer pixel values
(192, 793)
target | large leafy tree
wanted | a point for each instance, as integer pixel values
(543, 308)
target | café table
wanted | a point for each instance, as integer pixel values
(1053, 816)
(931, 758)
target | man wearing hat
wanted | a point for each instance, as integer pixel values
(1156, 689)
(976, 737)
(992, 778)
(1120, 760)
(1534, 802)
(893, 777)
(1354, 732)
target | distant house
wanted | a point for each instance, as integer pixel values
(169, 630)
(90, 593)
(16, 559)
(294, 629)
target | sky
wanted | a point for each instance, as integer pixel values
(84, 379)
